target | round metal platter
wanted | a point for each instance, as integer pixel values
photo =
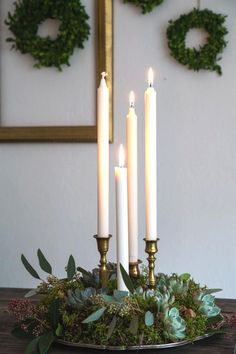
(133, 347)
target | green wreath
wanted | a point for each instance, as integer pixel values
(73, 30)
(208, 55)
(146, 5)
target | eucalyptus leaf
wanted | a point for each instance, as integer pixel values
(18, 332)
(120, 294)
(212, 291)
(133, 327)
(149, 318)
(59, 330)
(111, 327)
(45, 266)
(32, 292)
(32, 347)
(29, 268)
(108, 298)
(95, 315)
(45, 342)
(83, 271)
(127, 280)
(71, 269)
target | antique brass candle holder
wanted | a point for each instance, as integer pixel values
(103, 247)
(134, 271)
(151, 249)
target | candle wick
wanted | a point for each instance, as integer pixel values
(131, 104)
(150, 84)
(104, 74)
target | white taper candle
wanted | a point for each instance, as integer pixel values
(131, 143)
(150, 160)
(121, 219)
(103, 157)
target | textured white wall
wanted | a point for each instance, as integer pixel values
(48, 191)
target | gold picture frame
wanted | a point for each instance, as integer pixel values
(104, 62)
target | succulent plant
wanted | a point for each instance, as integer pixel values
(91, 279)
(174, 284)
(174, 324)
(79, 298)
(208, 306)
(164, 301)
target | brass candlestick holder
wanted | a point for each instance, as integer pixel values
(103, 247)
(134, 271)
(151, 249)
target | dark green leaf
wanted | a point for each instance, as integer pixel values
(32, 347)
(45, 342)
(111, 327)
(45, 266)
(95, 315)
(149, 318)
(133, 327)
(29, 268)
(71, 269)
(18, 332)
(83, 271)
(54, 313)
(127, 280)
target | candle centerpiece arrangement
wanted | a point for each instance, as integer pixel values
(118, 305)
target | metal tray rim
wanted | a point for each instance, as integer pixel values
(133, 347)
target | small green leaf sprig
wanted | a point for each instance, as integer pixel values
(208, 55)
(145, 5)
(29, 14)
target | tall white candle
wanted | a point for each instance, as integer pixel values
(131, 143)
(121, 219)
(103, 157)
(150, 160)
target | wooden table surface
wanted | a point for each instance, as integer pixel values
(218, 344)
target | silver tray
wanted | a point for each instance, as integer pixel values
(132, 347)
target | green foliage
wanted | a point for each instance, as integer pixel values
(71, 268)
(208, 55)
(127, 280)
(29, 268)
(73, 30)
(45, 266)
(94, 316)
(145, 5)
(45, 342)
(177, 309)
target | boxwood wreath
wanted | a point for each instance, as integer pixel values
(208, 55)
(75, 309)
(146, 5)
(73, 30)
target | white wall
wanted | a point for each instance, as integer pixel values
(48, 191)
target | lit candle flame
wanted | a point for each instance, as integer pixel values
(121, 156)
(131, 98)
(150, 77)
